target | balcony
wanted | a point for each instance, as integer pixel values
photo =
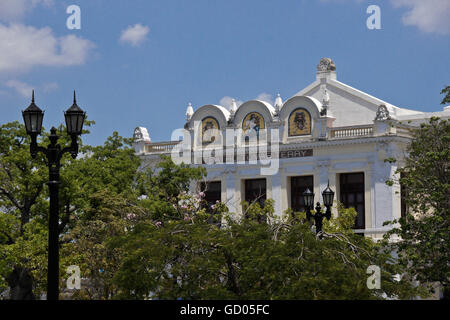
(160, 147)
(351, 132)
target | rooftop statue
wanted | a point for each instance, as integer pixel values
(382, 114)
(326, 64)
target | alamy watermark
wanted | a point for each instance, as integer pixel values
(374, 280)
(374, 20)
(74, 280)
(74, 20)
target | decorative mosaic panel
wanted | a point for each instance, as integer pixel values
(299, 123)
(208, 126)
(253, 122)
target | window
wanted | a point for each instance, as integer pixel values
(298, 186)
(213, 193)
(255, 191)
(403, 206)
(352, 195)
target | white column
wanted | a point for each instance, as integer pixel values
(373, 202)
(276, 193)
(231, 200)
(384, 195)
(323, 177)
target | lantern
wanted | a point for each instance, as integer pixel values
(328, 196)
(308, 198)
(33, 116)
(74, 118)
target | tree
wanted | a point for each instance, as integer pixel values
(186, 256)
(114, 212)
(22, 204)
(21, 179)
(111, 168)
(111, 216)
(425, 230)
(446, 91)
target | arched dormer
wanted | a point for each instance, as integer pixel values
(298, 116)
(205, 118)
(253, 115)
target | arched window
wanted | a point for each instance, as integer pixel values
(299, 123)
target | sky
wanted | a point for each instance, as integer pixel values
(140, 62)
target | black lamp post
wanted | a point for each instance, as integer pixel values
(74, 117)
(327, 196)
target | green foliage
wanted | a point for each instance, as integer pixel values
(253, 258)
(425, 230)
(446, 91)
(112, 216)
(21, 178)
(111, 168)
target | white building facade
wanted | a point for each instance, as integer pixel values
(328, 132)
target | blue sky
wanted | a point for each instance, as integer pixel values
(201, 51)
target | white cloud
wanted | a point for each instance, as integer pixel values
(427, 15)
(226, 102)
(265, 97)
(14, 10)
(134, 35)
(50, 86)
(24, 89)
(431, 16)
(24, 47)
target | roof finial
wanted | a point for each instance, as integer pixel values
(189, 112)
(32, 96)
(278, 103)
(326, 65)
(74, 97)
(233, 107)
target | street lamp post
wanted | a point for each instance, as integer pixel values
(328, 196)
(33, 117)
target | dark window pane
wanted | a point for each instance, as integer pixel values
(352, 195)
(359, 197)
(351, 198)
(255, 191)
(298, 187)
(403, 206)
(213, 194)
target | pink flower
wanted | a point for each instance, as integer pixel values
(200, 195)
(131, 216)
(158, 224)
(186, 218)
